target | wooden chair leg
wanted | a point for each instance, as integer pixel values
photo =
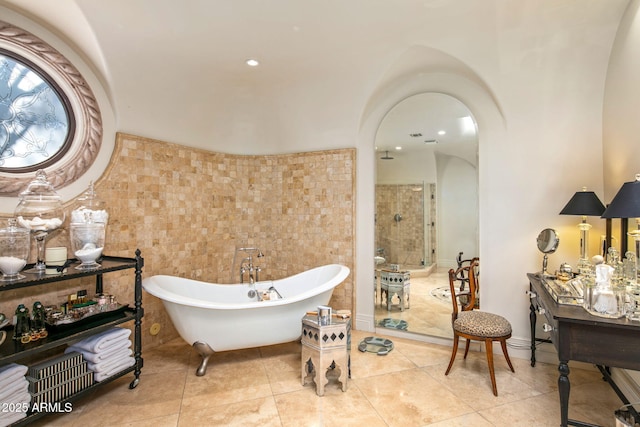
(489, 345)
(453, 354)
(466, 348)
(503, 344)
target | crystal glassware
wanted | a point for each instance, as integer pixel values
(87, 243)
(14, 251)
(89, 208)
(40, 211)
(88, 228)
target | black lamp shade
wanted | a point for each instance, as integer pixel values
(584, 203)
(626, 204)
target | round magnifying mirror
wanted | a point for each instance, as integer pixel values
(548, 242)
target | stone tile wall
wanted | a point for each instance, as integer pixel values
(187, 210)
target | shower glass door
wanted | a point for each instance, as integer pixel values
(403, 229)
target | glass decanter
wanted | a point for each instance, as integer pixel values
(14, 251)
(40, 211)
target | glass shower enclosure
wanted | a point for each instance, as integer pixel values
(405, 224)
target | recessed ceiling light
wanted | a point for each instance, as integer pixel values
(441, 132)
(252, 62)
(398, 148)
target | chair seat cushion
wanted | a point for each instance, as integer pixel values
(482, 324)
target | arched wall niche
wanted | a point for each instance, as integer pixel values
(420, 70)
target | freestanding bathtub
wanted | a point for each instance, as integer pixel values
(214, 317)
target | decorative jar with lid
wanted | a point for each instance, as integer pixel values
(88, 228)
(40, 211)
(89, 208)
(14, 251)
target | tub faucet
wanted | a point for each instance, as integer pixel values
(254, 272)
(248, 267)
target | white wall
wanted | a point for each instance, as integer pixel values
(404, 169)
(621, 123)
(457, 207)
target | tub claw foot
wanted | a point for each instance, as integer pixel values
(205, 351)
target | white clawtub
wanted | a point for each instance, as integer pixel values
(214, 317)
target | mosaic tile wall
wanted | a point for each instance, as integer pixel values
(402, 242)
(187, 210)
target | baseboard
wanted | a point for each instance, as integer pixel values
(365, 323)
(397, 333)
(545, 353)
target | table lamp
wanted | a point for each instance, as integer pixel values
(584, 203)
(625, 205)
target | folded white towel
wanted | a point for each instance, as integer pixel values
(104, 341)
(14, 389)
(108, 364)
(8, 418)
(92, 357)
(19, 399)
(10, 374)
(19, 406)
(124, 363)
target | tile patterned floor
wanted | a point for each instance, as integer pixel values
(407, 387)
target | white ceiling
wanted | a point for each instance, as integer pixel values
(175, 69)
(418, 120)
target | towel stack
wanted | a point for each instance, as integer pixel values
(14, 393)
(106, 353)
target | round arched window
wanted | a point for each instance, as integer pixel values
(49, 116)
(36, 124)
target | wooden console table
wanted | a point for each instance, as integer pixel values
(580, 336)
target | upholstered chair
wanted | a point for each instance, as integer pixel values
(475, 324)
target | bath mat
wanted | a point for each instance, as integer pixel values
(443, 294)
(388, 322)
(380, 346)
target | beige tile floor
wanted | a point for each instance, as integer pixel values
(407, 387)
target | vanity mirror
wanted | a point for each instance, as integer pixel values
(548, 242)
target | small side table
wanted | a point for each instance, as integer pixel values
(326, 347)
(398, 283)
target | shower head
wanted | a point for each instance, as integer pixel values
(386, 156)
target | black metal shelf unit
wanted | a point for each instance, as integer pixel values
(12, 350)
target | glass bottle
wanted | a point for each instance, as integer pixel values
(22, 330)
(38, 323)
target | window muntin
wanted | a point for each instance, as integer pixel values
(36, 127)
